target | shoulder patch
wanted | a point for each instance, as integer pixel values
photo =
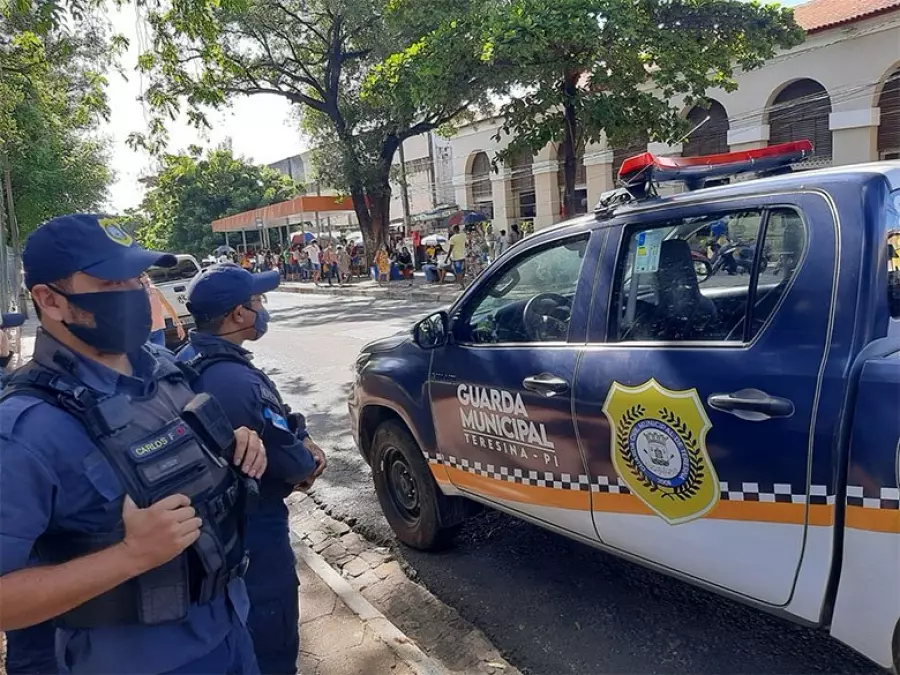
(277, 420)
(268, 396)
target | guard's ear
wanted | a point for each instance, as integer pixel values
(49, 303)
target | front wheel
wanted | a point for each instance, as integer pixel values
(420, 515)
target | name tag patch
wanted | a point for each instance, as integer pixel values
(277, 420)
(175, 432)
(269, 397)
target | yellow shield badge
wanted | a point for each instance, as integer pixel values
(115, 232)
(659, 449)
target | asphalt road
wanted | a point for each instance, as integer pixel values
(549, 604)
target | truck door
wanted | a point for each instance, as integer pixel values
(696, 401)
(501, 390)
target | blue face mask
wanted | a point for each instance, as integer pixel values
(261, 322)
(122, 319)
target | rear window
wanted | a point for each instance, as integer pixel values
(185, 269)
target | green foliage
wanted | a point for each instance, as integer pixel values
(52, 98)
(622, 68)
(364, 75)
(192, 190)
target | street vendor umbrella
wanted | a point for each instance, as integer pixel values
(223, 250)
(466, 218)
(434, 240)
(302, 237)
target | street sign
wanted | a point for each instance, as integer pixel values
(259, 223)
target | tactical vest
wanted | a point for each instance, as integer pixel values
(172, 441)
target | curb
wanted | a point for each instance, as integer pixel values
(419, 662)
(372, 293)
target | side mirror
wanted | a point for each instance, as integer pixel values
(433, 331)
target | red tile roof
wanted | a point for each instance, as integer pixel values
(822, 14)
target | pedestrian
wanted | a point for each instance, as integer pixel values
(501, 244)
(329, 263)
(138, 576)
(382, 265)
(158, 305)
(343, 263)
(226, 304)
(405, 264)
(515, 235)
(314, 253)
(456, 255)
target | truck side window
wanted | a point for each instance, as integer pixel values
(690, 279)
(529, 301)
(894, 273)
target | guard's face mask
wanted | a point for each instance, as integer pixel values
(261, 322)
(122, 319)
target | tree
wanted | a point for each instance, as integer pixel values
(621, 67)
(193, 190)
(365, 75)
(52, 98)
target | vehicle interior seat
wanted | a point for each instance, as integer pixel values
(682, 312)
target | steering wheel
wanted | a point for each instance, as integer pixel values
(546, 317)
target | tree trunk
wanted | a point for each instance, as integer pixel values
(569, 146)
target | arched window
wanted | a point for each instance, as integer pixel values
(801, 112)
(523, 185)
(889, 127)
(481, 177)
(712, 137)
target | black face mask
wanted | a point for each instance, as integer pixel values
(122, 319)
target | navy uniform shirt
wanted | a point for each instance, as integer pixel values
(53, 477)
(249, 400)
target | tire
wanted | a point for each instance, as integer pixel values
(420, 515)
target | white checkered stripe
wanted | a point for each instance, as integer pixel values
(772, 493)
(775, 493)
(887, 498)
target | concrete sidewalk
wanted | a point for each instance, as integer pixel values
(419, 290)
(342, 634)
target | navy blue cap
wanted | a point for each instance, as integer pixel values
(89, 243)
(218, 289)
(11, 320)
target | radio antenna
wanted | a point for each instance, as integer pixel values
(691, 132)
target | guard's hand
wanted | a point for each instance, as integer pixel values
(179, 331)
(318, 455)
(249, 452)
(155, 535)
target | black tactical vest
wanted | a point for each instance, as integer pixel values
(170, 442)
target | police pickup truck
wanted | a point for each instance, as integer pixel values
(173, 283)
(740, 432)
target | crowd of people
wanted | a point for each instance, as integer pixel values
(332, 262)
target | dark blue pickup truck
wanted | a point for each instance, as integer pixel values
(737, 426)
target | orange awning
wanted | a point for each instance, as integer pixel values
(303, 206)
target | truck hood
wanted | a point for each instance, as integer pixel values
(389, 343)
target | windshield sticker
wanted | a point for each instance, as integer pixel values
(646, 259)
(659, 449)
(495, 419)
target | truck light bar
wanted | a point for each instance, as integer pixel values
(639, 171)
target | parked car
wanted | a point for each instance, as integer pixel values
(741, 434)
(173, 282)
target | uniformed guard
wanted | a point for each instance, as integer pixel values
(127, 489)
(226, 302)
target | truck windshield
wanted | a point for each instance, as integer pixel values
(185, 269)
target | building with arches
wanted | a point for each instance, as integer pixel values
(840, 89)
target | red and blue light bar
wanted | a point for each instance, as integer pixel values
(645, 168)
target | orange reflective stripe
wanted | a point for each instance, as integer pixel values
(514, 492)
(876, 520)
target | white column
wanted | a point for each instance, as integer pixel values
(546, 192)
(598, 169)
(748, 138)
(502, 196)
(854, 135)
(462, 194)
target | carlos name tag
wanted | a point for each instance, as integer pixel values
(277, 420)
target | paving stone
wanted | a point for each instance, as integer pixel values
(343, 561)
(353, 543)
(332, 634)
(322, 545)
(356, 567)
(316, 599)
(374, 558)
(366, 579)
(316, 537)
(386, 569)
(334, 551)
(337, 527)
(308, 664)
(372, 657)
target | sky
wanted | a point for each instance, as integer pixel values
(259, 126)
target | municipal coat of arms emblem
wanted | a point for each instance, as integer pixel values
(659, 449)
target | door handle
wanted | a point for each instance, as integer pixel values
(178, 289)
(752, 405)
(546, 384)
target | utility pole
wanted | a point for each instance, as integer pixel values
(432, 173)
(4, 262)
(404, 190)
